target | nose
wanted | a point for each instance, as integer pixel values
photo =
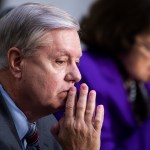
(73, 74)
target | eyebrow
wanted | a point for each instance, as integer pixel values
(64, 52)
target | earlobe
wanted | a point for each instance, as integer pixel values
(14, 60)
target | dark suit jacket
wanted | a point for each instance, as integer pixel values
(9, 139)
(46, 139)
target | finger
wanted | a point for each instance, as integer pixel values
(98, 122)
(70, 103)
(81, 104)
(90, 108)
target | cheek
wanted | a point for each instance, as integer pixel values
(43, 78)
(52, 83)
(141, 70)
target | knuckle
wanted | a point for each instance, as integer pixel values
(81, 108)
(98, 122)
(69, 106)
(68, 124)
(79, 127)
(88, 112)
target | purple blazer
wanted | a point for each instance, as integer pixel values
(120, 131)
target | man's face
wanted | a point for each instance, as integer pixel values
(50, 72)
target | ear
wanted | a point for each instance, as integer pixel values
(14, 60)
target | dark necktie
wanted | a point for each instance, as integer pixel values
(32, 138)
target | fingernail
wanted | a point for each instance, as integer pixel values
(72, 89)
(84, 86)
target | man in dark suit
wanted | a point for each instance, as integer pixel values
(39, 53)
(46, 139)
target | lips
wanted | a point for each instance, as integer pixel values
(63, 94)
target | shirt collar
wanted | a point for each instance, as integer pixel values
(19, 118)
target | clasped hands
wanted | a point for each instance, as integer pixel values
(80, 127)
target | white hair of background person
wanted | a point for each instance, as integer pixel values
(26, 25)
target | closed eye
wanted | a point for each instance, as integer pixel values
(60, 62)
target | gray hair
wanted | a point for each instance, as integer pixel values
(25, 25)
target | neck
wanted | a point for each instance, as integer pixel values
(11, 86)
(7, 82)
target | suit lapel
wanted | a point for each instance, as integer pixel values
(8, 135)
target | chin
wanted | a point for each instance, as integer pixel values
(144, 79)
(61, 103)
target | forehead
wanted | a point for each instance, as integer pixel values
(64, 42)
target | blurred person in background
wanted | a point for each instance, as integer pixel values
(116, 63)
(39, 53)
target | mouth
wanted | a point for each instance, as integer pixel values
(63, 94)
(63, 98)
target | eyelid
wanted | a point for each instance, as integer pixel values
(78, 62)
(61, 59)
